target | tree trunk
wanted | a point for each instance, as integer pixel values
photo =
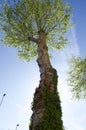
(46, 107)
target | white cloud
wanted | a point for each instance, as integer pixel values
(74, 42)
(76, 126)
(73, 47)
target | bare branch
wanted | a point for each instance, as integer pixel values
(33, 39)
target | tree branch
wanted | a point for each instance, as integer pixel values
(33, 39)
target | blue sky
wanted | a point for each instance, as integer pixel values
(19, 79)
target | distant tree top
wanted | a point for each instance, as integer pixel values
(21, 19)
(77, 77)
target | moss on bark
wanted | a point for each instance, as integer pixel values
(52, 114)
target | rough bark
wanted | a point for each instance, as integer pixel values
(46, 94)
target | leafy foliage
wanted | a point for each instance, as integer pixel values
(21, 19)
(77, 77)
(52, 118)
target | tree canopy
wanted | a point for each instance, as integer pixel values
(77, 77)
(24, 19)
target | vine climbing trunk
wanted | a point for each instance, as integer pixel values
(47, 113)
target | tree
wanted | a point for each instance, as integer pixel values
(77, 77)
(33, 27)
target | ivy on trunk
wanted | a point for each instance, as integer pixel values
(47, 113)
